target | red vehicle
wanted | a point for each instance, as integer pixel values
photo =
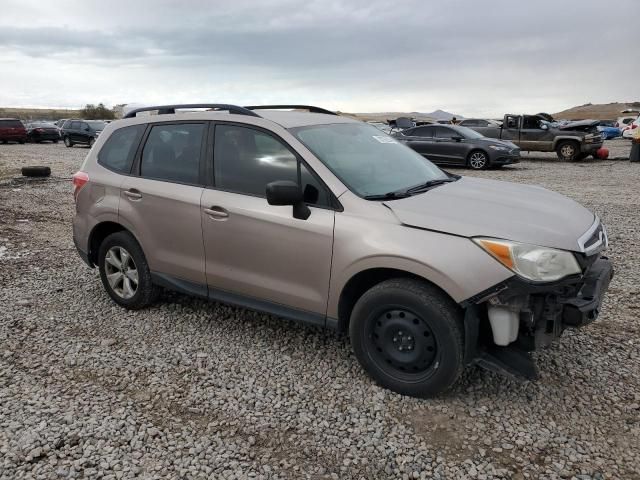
(12, 130)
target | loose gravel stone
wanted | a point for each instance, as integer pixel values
(190, 389)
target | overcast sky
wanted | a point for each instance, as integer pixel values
(465, 56)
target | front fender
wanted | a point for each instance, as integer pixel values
(453, 263)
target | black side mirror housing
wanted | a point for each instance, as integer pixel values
(286, 192)
(457, 138)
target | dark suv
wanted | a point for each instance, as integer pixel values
(12, 130)
(81, 131)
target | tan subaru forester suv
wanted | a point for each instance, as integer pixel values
(308, 215)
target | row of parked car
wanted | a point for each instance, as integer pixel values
(483, 143)
(70, 130)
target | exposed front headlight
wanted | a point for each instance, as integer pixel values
(499, 147)
(540, 264)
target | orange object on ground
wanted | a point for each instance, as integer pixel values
(603, 153)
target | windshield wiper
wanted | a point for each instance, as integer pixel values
(410, 191)
(388, 196)
(429, 184)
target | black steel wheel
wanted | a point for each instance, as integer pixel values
(408, 336)
(403, 343)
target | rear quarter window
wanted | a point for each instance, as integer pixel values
(11, 124)
(118, 151)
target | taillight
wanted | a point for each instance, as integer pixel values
(80, 179)
(633, 125)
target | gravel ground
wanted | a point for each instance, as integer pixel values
(189, 389)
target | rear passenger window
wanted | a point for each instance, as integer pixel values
(118, 151)
(172, 153)
(425, 132)
(444, 132)
(74, 125)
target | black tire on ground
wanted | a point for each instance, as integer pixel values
(4, 142)
(22, 142)
(55, 141)
(408, 336)
(568, 150)
(478, 160)
(146, 293)
(36, 171)
(68, 142)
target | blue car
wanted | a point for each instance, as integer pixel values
(608, 130)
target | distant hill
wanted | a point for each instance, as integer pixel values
(39, 113)
(384, 116)
(602, 111)
(442, 115)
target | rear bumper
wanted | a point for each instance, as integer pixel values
(83, 255)
(14, 137)
(45, 136)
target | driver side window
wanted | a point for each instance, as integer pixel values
(246, 160)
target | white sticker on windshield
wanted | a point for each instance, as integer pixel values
(384, 139)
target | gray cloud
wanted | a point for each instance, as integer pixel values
(477, 57)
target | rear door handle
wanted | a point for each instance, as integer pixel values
(133, 194)
(217, 213)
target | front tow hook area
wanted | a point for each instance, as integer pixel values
(511, 362)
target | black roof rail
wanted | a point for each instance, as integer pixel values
(310, 108)
(168, 109)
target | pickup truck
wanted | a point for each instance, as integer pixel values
(536, 133)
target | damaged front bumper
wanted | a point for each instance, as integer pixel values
(513, 318)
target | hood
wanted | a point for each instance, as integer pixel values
(581, 126)
(473, 207)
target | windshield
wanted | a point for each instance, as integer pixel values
(367, 160)
(466, 132)
(96, 125)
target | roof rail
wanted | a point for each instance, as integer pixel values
(310, 108)
(168, 109)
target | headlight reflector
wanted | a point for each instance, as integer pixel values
(540, 264)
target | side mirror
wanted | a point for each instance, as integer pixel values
(286, 192)
(87, 129)
(544, 126)
(457, 138)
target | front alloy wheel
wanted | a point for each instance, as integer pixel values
(478, 160)
(121, 272)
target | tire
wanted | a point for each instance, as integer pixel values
(36, 171)
(54, 141)
(477, 160)
(21, 142)
(137, 296)
(408, 336)
(67, 142)
(4, 142)
(568, 150)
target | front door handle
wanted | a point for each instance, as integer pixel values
(133, 194)
(217, 213)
